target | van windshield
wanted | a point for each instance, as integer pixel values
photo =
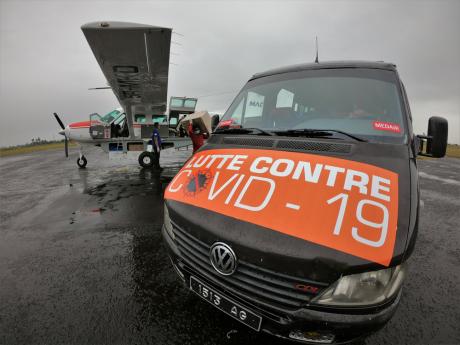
(360, 101)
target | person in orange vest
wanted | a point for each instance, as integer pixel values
(196, 135)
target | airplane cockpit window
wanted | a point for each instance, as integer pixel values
(120, 126)
(108, 118)
(120, 119)
(95, 119)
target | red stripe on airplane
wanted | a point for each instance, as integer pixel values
(82, 124)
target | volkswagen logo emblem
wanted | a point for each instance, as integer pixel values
(223, 259)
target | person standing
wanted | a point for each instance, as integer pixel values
(156, 143)
(196, 135)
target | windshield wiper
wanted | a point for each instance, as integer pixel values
(250, 130)
(307, 132)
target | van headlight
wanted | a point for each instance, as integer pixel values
(167, 223)
(363, 289)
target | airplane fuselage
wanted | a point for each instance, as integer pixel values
(79, 131)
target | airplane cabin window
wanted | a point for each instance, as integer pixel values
(189, 103)
(139, 118)
(159, 118)
(177, 102)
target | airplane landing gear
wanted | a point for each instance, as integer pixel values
(81, 161)
(146, 159)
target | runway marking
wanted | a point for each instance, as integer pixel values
(293, 206)
(437, 178)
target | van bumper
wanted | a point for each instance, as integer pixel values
(304, 325)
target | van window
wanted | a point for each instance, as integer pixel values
(365, 102)
(237, 112)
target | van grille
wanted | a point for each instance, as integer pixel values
(284, 144)
(313, 146)
(249, 141)
(261, 285)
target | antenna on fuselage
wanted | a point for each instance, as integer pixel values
(316, 60)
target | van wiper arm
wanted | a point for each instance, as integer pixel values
(307, 132)
(353, 136)
(249, 130)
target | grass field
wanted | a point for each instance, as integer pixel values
(17, 150)
(453, 151)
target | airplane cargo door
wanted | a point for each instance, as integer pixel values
(97, 127)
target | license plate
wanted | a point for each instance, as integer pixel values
(235, 310)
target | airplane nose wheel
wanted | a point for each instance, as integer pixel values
(146, 159)
(81, 162)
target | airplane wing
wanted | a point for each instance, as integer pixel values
(135, 61)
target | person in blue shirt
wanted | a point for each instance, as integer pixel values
(156, 143)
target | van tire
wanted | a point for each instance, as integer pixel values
(146, 159)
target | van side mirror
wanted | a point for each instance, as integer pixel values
(435, 143)
(214, 122)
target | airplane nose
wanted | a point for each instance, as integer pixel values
(62, 132)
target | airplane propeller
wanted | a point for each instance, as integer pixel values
(66, 140)
(59, 121)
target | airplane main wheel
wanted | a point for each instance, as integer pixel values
(81, 162)
(146, 159)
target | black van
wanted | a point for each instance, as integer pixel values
(298, 215)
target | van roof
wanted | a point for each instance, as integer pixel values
(327, 65)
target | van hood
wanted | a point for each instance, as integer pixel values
(317, 214)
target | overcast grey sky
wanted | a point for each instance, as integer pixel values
(47, 65)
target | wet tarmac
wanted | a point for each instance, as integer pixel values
(82, 259)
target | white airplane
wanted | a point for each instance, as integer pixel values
(135, 61)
